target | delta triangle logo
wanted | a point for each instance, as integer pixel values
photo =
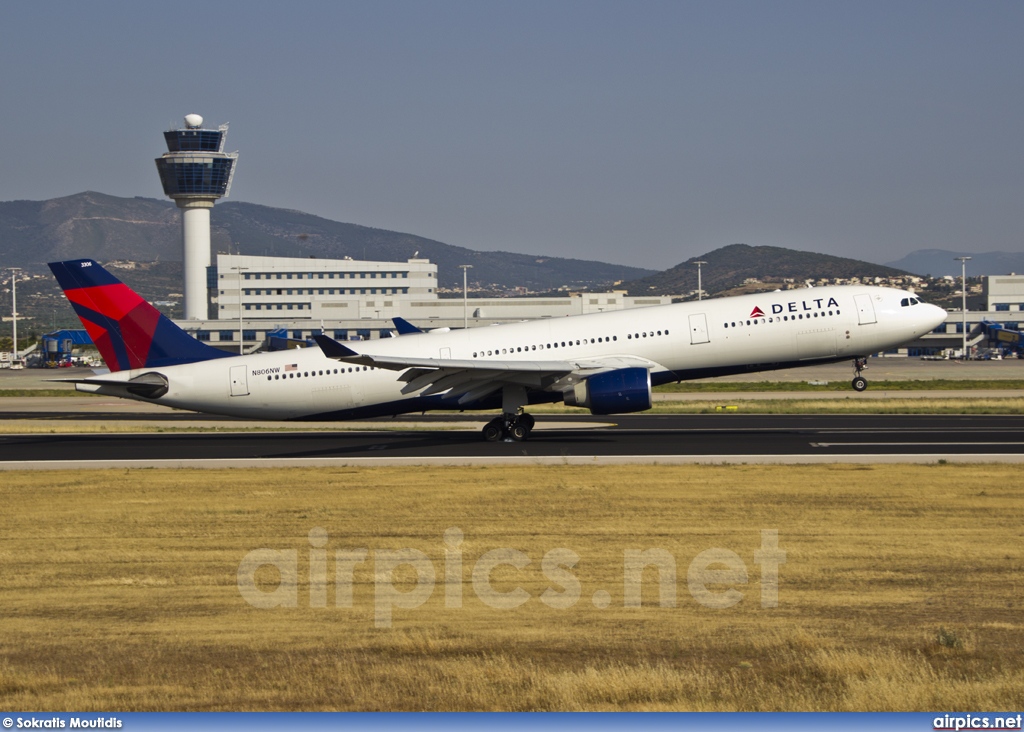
(756, 312)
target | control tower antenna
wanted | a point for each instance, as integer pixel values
(195, 171)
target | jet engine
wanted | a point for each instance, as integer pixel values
(613, 392)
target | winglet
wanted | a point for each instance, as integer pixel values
(404, 327)
(333, 349)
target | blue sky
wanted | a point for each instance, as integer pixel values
(632, 132)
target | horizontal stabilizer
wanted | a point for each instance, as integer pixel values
(150, 385)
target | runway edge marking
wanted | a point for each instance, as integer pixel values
(250, 463)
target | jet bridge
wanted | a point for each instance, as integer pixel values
(998, 336)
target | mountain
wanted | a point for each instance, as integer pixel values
(939, 262)
(278, 232)
(88, 225)
(109, 228)
(730, 267)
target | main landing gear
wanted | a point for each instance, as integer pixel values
(513, 425)
(859, 382)
(509, 427)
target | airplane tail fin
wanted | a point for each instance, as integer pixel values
(404, 327)
(128, 331)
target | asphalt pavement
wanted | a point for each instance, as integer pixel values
(622, 439)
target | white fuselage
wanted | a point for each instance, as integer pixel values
(682, 341)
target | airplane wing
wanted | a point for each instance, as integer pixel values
(471, 380)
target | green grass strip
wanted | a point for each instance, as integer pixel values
(691, 387)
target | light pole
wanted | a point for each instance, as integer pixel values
(465, 295)
(14, 310)
(700, 289)
(963, 291)
(241, 332)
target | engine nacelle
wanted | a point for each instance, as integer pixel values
(613, 392)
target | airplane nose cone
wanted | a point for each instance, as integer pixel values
(933, 316)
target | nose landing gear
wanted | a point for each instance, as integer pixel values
(859, 383)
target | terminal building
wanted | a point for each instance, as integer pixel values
(1004, 305)
(252, 297)
(1006, 293)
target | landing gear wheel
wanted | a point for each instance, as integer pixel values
(527, 421)
(859, 382)
(518, 432)
(493, 430)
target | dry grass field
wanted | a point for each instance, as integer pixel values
(901, 589)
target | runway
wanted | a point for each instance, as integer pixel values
(566, 439)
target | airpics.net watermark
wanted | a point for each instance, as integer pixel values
(711, 577)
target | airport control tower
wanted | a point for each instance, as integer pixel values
(195, 171)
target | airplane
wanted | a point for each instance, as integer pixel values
(606, 362)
